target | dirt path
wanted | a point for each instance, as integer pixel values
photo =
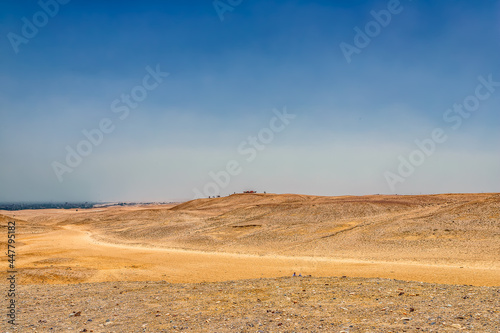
(70, 255)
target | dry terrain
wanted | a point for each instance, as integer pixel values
(225, 265)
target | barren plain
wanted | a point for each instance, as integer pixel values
(370, 264)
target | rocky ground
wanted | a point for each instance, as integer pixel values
(288, 304)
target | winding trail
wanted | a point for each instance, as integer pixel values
(71, 254)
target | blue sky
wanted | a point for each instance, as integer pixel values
(352, 121)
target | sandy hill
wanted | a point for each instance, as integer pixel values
(452, 238)
(438, 228)
(374, 227)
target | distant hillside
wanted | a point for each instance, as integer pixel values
(389, 227)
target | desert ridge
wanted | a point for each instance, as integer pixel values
(445, 238)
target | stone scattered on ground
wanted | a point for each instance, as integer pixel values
(288, 304)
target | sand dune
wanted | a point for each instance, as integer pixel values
(449, 238)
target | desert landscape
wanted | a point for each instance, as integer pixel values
(374, 263)
(250, 166)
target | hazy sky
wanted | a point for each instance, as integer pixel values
(311, 97)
